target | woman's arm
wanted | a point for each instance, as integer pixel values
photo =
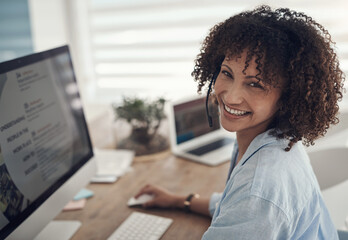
(165, 199)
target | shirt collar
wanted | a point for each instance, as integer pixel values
(259, 142)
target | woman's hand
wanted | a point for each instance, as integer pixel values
(162, 197)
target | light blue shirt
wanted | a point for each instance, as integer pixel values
(270, 194)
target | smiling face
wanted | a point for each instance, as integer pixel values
(247, 105)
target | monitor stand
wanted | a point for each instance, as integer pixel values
(59, 230)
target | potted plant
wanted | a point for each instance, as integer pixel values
(145, 118)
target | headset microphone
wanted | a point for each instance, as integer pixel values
(212, 82)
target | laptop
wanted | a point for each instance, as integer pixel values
(192, 138)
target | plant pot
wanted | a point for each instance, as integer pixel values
(141, 135)
(144, 145)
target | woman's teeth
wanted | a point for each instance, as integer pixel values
(235, 112)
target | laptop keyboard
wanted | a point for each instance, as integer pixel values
(210, 146)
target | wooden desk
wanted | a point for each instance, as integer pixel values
(107, 209)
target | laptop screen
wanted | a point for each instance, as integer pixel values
(191, 119)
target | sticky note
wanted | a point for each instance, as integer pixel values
(75, 205)
(83, 193)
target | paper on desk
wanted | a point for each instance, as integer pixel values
(113, 162)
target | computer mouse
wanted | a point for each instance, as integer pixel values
(140, 200)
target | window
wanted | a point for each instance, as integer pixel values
(15, 40)
(149, 46)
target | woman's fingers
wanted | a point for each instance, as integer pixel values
(147, 189)
(162, 197)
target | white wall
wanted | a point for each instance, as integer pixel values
(55, 23)
(48, 21)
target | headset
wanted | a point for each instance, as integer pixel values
(212, 82)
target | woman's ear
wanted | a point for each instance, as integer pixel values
(214, 99)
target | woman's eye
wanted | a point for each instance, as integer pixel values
(256, 85)
(226, 73)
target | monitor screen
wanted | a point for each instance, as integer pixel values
(43, 133)
(191, 119)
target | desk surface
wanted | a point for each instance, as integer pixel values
(107, 209)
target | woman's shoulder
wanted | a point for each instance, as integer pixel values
(284, 178)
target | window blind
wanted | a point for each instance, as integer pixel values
(151, 44)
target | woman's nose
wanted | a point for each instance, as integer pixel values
(234, 94)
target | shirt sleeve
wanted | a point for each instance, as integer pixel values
(249, 218)
(214, 201)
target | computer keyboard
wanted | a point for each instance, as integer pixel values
(141, 226)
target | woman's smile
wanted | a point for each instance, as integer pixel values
(235, 113)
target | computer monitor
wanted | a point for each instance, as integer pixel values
(46, 154)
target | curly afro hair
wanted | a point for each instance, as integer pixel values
(286, 45)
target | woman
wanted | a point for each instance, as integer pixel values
(278, 82)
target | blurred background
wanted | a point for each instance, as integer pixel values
(143, 48)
